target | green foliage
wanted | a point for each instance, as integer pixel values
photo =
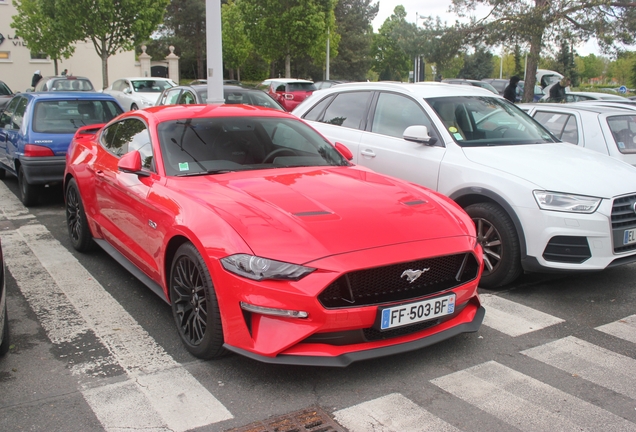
(591, 66)
(44, 27)
(477, 65)
(112, 25)
(184, 28)
(288, 29)
(236, 46)
(353, 20)
(392, 62)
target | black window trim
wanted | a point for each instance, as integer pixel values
(101, 140)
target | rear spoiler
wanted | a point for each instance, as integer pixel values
(90, 130)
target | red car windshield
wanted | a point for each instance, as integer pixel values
(224, 144)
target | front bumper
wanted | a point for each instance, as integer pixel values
(337, 335)
(43, 170)
(593, 234)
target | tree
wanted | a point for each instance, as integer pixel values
(353, 20)
(537, 22)
(112, 25)
(477, 66)
(42, 25)
(565, 61)
(290, 28)
(392, 62)
(593, 67)
(236, 45)
(185, 26)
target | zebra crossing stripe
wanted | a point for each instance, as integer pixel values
(593, 363)
(623, 329)
(513, 318)
(390, 413)
(69, 303)
(525, 403)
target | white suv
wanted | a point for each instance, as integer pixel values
(538, 204)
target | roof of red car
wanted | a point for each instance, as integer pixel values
(174, 112)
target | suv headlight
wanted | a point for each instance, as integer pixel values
(257, 268)
(566, 202)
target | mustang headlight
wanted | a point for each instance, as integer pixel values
(566, 202)
(257, 268)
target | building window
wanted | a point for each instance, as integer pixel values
(38, 56)
(5, 55)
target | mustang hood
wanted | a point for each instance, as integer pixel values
(560, 168)
(302, 215)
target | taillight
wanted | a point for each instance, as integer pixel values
(32, 150)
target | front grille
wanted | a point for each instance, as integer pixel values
(623, 218)
(567, 249)
(390, 284)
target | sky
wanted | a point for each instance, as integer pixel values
(440, 8)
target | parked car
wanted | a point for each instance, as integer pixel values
(538, 204)
(266, 241)
(538, 93)
(328, 83)
(204, 81)
(470, 82)
(583, 96)
(36, 129)
(599, 128)
(289, 92)
(499, 84)
(64, 83)
(138, 93)
(5, 95)
(546, 78)
(4, 318)
(198, 94)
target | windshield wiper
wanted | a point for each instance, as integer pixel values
(200, 173)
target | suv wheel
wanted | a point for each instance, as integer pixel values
(498, 238)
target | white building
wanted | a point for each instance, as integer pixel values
(18, 63)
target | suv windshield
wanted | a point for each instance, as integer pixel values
(484, 121)
(219, 145)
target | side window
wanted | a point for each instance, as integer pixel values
(171, 97)
(394, 113)
(280, 88)
(5, 119)
(557, 123)
(18, 115)
(187, 98)
(347, 109)
(315, 113)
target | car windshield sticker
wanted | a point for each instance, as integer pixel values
(452, 129)
(183, 166)
(621, 145)
(458, 136)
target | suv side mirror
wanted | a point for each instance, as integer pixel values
(418, 134)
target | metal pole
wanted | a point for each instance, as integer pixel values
(214, 51)
(327, 66)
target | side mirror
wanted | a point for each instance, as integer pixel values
(344, 151)
(131, 163)
(418, 134)
(127, 90)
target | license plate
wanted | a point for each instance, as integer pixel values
(629, 236)
(411, 313)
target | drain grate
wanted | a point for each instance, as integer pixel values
(313, 419)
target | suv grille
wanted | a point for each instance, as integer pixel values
(389, 284)
(623, 218)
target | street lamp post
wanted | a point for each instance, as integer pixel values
(214, 50)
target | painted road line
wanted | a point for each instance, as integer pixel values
(623, 329)
(11, 206)
(526, 403)
(390, 413)
(70, 305)
(512, 318)
(593, 363)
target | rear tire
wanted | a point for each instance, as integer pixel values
(4, 347)
(78, 230)
(498, 238)
(194, 305)
(3, 173)
(29, 193)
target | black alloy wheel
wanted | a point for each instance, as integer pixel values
(498, 238)
(194, 304)
(78, 229)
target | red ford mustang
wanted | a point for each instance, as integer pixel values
(266, 241)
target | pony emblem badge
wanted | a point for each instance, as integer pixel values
(412, 275)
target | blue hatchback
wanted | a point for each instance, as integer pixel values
(36, 130)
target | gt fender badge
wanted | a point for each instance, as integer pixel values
(412, 275)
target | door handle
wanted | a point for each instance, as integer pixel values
(99, 173)
(368, 152)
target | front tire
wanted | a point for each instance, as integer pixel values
(29, 193)
(194, 305)
(3, 173)
(498, 238)
(78, 230)
(4, 348)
